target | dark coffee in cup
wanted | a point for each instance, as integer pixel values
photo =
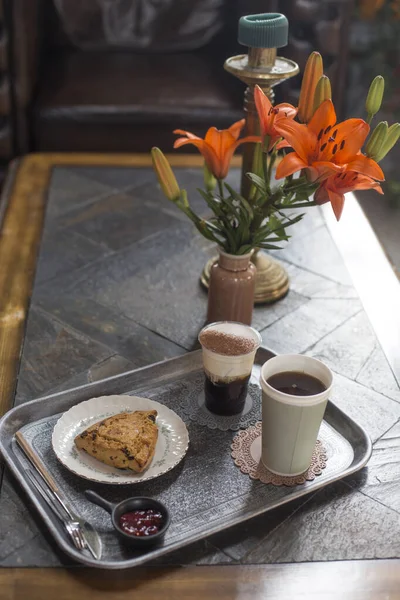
(226, 398)
(296, 383)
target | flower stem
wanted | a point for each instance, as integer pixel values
(265, 171)
(220, 188)
(271, 166)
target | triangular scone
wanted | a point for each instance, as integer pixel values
(125, 441)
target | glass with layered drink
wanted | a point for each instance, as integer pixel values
(229, 350)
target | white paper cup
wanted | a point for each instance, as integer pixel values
(290, 424)
(221, 370)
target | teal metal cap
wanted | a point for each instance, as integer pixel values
(268, 30)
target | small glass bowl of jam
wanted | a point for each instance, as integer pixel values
(140, 521)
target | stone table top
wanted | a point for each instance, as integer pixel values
(117, 287)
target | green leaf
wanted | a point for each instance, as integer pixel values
(302, 195)
(230, 240)
(216, 223)
(269, 247)
(207, 197)
(258, 182)
(205, 232)
(274, 222)
(294, 220)
(211, 201)
(213, 226)
(227, 203)
(242, 201)
(239, 231)
(261, 200)
(299, 205)
(245, 249)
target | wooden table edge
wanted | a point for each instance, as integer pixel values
(345, 580)
(28, 179)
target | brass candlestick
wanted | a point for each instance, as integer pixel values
(262, 34)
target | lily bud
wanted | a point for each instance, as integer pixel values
(165, 176)
(376, 140)
(322, 92)
(209, 180)
(375, 96)
(392, 136)
(312, 74)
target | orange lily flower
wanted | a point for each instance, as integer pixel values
(269, 115)
(218, 146)
(324, 148)
(334, 187)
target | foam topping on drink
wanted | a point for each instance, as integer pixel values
(227, 344)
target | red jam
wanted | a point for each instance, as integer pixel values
(141, 522)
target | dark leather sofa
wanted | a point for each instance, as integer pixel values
(119, 75)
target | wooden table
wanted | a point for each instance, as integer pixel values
(117, 265)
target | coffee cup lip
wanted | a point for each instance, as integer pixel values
(289, 398)
(256, 337)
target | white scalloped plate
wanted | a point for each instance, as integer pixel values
(172, 443)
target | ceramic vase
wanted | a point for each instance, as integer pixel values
(231, 291)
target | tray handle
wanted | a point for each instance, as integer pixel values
(37, 463)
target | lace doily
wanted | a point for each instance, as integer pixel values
(246, 452)
(194, 407)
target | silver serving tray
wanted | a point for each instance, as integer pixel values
(206, 493)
